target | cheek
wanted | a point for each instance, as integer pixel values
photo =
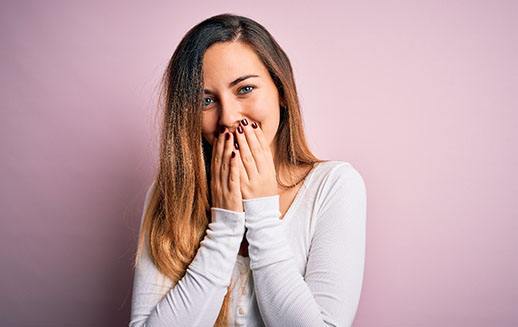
(268, 118)
(265, 110)
(208, 125)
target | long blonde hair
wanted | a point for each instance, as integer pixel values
(177, 214)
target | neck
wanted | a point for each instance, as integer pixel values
(273, 149)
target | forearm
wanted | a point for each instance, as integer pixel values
(195, 300)
(283, 297)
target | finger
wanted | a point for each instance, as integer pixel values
(225, 162)
(243, 175)
(218, 157)
(246, 154)
(234, 175)
(260, 135)
(213, 153)
(254, 146)
(263, 141)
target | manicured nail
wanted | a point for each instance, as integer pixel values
(233, 154)
(227, 136)
(244, 122)
(254, 125)
(240, 130)
(236, 145)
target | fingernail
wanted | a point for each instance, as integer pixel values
(236, 145)
(240, 130)
(244, 121)
(227, 136)
(233, 154)
(254, 125)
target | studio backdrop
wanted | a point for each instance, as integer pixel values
(420, 96)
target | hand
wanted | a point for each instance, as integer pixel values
(257, 169)
(224, 184)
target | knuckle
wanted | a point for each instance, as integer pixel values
(247, 158)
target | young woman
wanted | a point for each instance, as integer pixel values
(243, 225)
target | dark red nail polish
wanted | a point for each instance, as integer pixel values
(240, 130)
(236, 145)
(227, 136)
(233, 154)
(244, 121)
(254, 125)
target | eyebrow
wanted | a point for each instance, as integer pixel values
(234, 82)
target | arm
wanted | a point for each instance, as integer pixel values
(197, 297)
(328, 294)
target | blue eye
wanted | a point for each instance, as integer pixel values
(244, 87)
(205, 103)
(247, 87)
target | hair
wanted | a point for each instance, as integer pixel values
(177, 215)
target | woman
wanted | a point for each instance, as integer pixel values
(243, 224)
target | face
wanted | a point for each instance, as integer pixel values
(237, 85)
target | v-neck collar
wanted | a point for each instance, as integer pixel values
(293, 206)
(300, 193)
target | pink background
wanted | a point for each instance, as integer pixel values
(420, 96)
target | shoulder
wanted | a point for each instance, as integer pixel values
(150, 189)
(337, 184)
(334, 173)
(149, 192)
(147, 198)
(340, 192)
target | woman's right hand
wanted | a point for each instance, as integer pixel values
(225, 184)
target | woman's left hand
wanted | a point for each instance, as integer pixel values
(258, 177)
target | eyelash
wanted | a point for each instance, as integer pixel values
(252, 86)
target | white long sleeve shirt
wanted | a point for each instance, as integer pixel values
(305, 269)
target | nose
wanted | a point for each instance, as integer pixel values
(231, 113)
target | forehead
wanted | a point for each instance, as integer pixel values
(223, 61)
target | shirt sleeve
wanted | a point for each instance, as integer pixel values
(196, 299)
(328, 294)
